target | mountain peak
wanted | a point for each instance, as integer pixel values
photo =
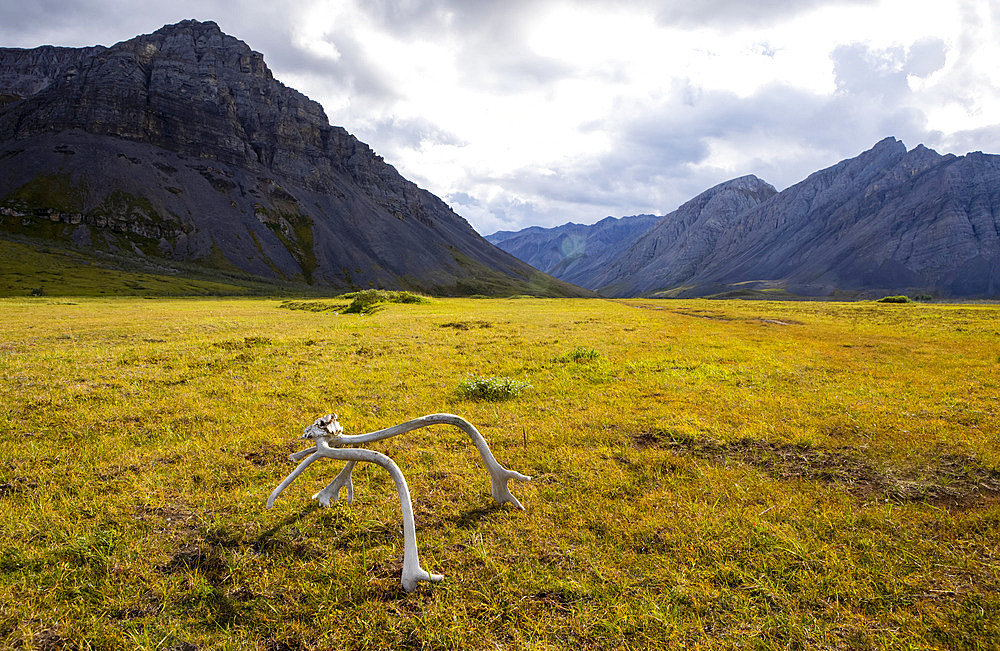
(888, 141)
(191, 24)
(748, 183)
(192, 38)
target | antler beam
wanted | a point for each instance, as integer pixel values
(327, 432)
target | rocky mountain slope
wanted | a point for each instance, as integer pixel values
(672, 250)
(574, 252)
(886, 221)
(180, 144)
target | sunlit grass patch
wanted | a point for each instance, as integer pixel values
(313, 306)
(722, 475)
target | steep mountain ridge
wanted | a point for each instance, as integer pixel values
(674, 248)
(181, 144)
(27, 72)
(886, 221)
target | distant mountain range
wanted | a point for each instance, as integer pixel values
(887, 221)
(574, 252)
(180, 145)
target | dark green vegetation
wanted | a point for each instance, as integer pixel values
(30, 266)
(369, 300)
(492, 389)
(722, 474)
(366, 301)
(28, 269)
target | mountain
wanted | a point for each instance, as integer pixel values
(667, 254)
(181, 145)
(888, 221)
(573, 252)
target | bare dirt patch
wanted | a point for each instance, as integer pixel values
(953, 481)
(16, 486)
(265, 456)
(169, 519)
(467, 325)
(200, 555)
(50, 640)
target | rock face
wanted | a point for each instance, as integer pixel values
(889, 221)
(575, 253)
(27, 72)
(674, 249)
(181, 144)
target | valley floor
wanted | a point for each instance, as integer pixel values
(709, 474)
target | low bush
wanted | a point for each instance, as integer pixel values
(894, 299)
(491, 389)
(368, 300)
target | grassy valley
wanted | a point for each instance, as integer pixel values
(709, 474)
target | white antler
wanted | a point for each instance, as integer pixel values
(327, 432)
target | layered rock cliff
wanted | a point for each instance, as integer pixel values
(181, 144)
(24, 73)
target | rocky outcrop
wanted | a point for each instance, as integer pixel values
(185, 134)
(24, 73)
(575, 253)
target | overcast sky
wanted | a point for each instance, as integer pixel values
(522, 113)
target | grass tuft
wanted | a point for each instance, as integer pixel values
(491, 389)
(579, 354)
(313, 306)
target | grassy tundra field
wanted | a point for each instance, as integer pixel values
(708, 474)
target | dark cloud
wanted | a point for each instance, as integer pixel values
(501, 20)
(495, 20)
(463, 198)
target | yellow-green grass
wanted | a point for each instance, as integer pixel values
(715, 474)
